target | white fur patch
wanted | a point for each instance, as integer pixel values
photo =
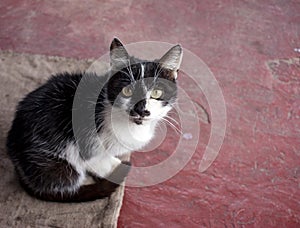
(127, 136)
(142, 70)
(102, 164)
(156, 109)
(72, 156)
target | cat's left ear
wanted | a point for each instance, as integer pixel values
(118, 54)
(172, 59)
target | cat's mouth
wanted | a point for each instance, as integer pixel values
(138, 119)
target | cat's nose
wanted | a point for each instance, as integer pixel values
(140, 109)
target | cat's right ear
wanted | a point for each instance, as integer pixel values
(118, 54)
(172, 59)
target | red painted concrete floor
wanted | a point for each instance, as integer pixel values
(251, 47)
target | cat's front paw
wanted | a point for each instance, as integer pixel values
(120, 172)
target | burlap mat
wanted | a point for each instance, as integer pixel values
(19, 74)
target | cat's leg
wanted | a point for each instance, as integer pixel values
(117, 176)
(71, 192)
(46, 178)
(102, 166)
(99, 190)
(103, 187)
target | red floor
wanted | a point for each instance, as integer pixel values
(250, 47)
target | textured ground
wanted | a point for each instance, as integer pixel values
(250, 46)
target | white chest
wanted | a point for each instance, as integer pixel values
(123, 137)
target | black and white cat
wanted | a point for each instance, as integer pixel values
(54, 160)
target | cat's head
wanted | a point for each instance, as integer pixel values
(143, 90)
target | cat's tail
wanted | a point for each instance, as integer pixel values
(101, 189)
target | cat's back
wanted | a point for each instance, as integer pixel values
(50, 101)
(45, 114)
(55, 93)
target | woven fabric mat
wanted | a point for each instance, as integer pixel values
(20, 74)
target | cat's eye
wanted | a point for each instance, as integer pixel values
(127, 92)
(156, 93)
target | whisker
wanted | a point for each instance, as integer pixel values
(128, 75)
(176, 122)
(156, 73)
(130, 70)
(173, 126)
